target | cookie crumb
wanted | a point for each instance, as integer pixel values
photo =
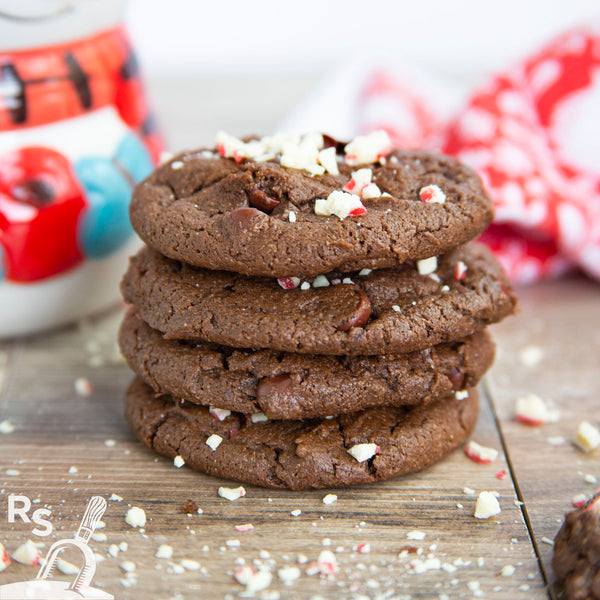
(189, 507)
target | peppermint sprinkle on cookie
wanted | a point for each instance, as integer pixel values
(366, 149)
(432, 194)
(341, 204)
(362, 452)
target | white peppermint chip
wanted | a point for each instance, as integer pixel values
(83, 387)
(587, 437)
(327, 563)
(432, 193)
(296, 513)
(362, 452)
(136, 517)
(338, 203)
(6, 427)
(533, 410)
(190, 565)
(176, 165)
(531, 356)
(328, 159)
(365, 149)
(479, 453)
(358, 180)
(329, 499)
(507, 571)
(214, 441)
(128, 566)
(66, 568)
(259, 417)
(415, 535)
(178, 461)
(365, 272)
(231, 494)
(289, 574)
(487, 506)
(347, 281)
(461, 394)
(99, 536)
(259, 581)
(427, 265)
(305, 285)
(292, 216)
(395, 308)
(229, 146)
(219, 413)
(113, 550)
(320, 281)
(164, 551)
(27, 554)
(371, 191)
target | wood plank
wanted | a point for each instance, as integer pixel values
(57, 429)
(561, 319)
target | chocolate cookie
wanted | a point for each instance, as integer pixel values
(258, 217)
(313, 453)
(389, 311)
(298, 386)
(576, 560)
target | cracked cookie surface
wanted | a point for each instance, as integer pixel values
(216, 213)
(388, 311)
(294, 454)
(297, 386)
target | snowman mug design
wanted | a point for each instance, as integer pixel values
(76, 135)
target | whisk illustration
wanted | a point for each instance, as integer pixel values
(93, 513)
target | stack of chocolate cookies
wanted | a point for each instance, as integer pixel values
(309, 313)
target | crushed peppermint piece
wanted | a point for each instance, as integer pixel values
(426, 266)
(189, 564)
(4, 558)
(65, 567)
(233, 543)
(259, 417)
(587, 437)
(507, 571)
(176, 165)
(418, 565)
(214, 441)
(296, 513)
(480, 454)
(579, 500)
(366, 149)
(98, 536)
(178, 461)
(128, 566)
(110, 443)
(116, 498)
(327, 563)
(288, 283)
(245, 527)
(243, 574)
(305, 285)
(548, 541)
(415, 535)
(164, 551)
(113, 550)
(363, 548)
(468, 491)
(370, 192)
(231, 494)
(83, 387)
(432, 194)
(13, 472)
(533, 410)
(259, 581)
(219, 413)
(487, 506)
(589, 478)
(531, 356)
(502, 474)
(460, 270)
(73, 470)
(461, 394)
(6, 427)
(320, 281)
(365, 272)
(395, 308)
(329, 499)
(327, 158)
(136, 517)
(289, 574)
(362, 452)
(341, 204)
(557, 440)
(292, 216)
(347, 281)
(27, 554)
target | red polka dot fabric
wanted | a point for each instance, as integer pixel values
(533, 135)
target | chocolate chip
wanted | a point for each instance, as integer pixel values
(361, 314)
(456, 378)
(244, 215)
(278, 386)
(261, 200)
(331, 142)
(189, 507)
(36, 192)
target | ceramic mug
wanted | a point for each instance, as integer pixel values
(75, 136)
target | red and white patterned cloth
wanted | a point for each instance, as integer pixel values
(531, 132)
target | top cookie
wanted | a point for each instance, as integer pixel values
(288, 206)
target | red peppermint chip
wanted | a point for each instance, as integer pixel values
(358, 211)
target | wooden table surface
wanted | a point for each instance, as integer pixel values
(67, 447)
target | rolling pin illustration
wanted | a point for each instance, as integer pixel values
(93, 513)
